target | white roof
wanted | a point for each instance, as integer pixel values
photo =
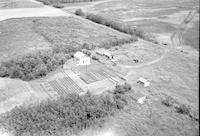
(107, 53)
(79, 55)
(144, 81)
(141, 79)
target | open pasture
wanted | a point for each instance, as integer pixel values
(137, 53)
(153, 26)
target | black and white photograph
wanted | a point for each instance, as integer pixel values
(99, 67)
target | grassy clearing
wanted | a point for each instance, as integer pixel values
(64, 36)
(119, 26)
(66, 115)
(153, 26)
(191, 36)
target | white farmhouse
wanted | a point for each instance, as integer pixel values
(81, 58)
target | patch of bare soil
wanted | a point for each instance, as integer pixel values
(15, 93)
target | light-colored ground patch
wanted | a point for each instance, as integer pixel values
(4, 133)
(15, 93)
(31, 12)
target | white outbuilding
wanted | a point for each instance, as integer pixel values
(81, 58)
(139, 97)
(144, 81)
(108, 55)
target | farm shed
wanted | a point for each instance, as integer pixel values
(108, 55)
(139, 97)
(143, 81)
(81, 58)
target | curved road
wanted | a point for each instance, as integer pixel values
(176, 42)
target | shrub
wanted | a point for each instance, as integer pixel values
(69, 114)
(95, 57)
(32, 66)
(79, 12)
(119, 95)
(122, 89)
(168, 101)
(117, 42)
(58, 5)
(183, 109)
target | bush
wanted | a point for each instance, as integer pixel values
(183, 109)
(117, 42)
(119, 95)
(168, 101)
(70, 114)
(32, 66)
(79, 12)
(58, 5)
(95, 57)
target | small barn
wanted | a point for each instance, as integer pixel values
(81, 58)
(108, 55)
(139, 97)
(144, 81)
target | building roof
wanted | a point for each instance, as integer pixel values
(141, 79)
(79, 55)
(107, 53)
